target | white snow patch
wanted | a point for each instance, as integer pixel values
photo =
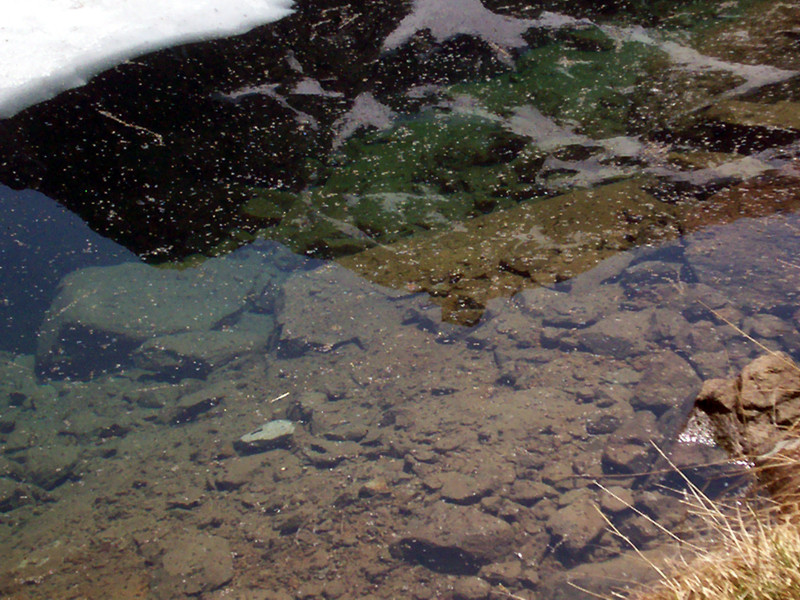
(542, 130)
(312, 87)
(447, 19)
(48, 46)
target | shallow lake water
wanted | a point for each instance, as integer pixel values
(475, 303)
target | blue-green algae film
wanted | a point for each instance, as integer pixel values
(397, 300)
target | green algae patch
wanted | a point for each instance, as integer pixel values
(442, 151)
(422, 174)
(269, 205)
(575, 83)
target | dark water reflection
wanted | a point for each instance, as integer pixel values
(41, 242)
(198, 149)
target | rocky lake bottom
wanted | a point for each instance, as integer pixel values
(424, 460)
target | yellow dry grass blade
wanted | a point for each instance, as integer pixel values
(756, 556)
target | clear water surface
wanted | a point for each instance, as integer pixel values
(477, 287)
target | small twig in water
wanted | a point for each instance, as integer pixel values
(281, 397)
(504, 590)
(591, 593)
(157, 137)
(615, 530)
(788, 264)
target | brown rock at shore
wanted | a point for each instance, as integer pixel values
(754, 415)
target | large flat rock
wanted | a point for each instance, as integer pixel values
(455, 539)
(102, 314)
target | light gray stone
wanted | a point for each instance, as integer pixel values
(346, 309)
(197, 351)
(275, 434)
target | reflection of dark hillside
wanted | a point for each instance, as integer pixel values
(151, 154)
(162, 153)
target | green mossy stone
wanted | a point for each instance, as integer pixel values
(270, 205)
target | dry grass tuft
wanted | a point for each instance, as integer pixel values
(753, 550)
(754, 553)
(756, 560)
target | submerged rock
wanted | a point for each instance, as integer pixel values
(195, 353)
(471, 588)
(170, 317)
(190, 406)
(454, 539)
(576, 526)
(669, 382)
(14, 494)
(326, 454)
(192, 565)
(621, 335)
(275, 434)
(629, 449)
(346, 310)
(459, 488)
(47, 466)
